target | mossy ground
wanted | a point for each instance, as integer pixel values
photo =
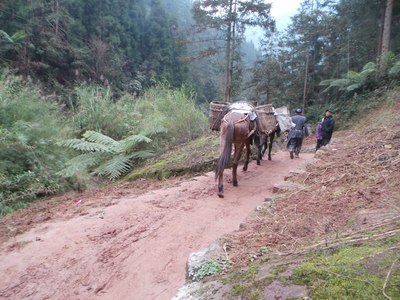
(346, 272)
(352, 272)
(191, 158)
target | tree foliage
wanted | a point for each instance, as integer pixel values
(105, 42)
(335, 43)
(354, 81)
(227, 21)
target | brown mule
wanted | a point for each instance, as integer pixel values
(236, 129)
(264, 141)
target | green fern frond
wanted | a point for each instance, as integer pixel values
(144, 154)
(370, 66)
(84, 146)
(341, 83)
(6, 36)
(353, 87)
(80, 164)
(137, 139)
(395, 70)
(115, 167)
(353, 76)
(19, 36)
(326, 82)
(112, 158)
(367, 73)
(155, 131)
(131, 142)
(99, 138)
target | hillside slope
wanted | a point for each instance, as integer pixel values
(330, 232)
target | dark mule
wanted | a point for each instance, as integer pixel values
(236, 129)
(261, 142)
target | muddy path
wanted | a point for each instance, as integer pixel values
(137, 247)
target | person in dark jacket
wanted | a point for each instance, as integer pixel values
(318, 134)
(327, 128)
(297, 133)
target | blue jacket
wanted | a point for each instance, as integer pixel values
(300, 130)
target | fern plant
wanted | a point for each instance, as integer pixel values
(354, 81)
(394, 71)
(104, 156)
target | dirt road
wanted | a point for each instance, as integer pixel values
(138, 247)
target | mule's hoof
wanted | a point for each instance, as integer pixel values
(221, 191)
(245, 168)
(269, 158)
(235, 183)
(258, 163)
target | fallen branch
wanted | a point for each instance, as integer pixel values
(376, 253)
(387, 280)
(226, 253)
(342, 242)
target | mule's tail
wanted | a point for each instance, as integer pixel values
(226, 152)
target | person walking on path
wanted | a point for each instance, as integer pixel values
(318, 134)
(327, 128)
(297, 133)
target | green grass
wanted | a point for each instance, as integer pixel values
(351, 272)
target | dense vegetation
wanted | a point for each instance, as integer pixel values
(119, 81)
(126, 44)
(45, 150)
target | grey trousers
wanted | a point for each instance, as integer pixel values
(294, 145)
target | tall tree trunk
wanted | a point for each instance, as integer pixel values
(227, 96)
(232, 49)
(305, 83)
(57, 16)
(348, 50)
(386, 33)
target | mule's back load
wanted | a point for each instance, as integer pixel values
(283, 117)
(217, 111)
(266, 117)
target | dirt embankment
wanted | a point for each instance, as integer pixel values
(126, 242)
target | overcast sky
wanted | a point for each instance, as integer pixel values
(281, 11)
